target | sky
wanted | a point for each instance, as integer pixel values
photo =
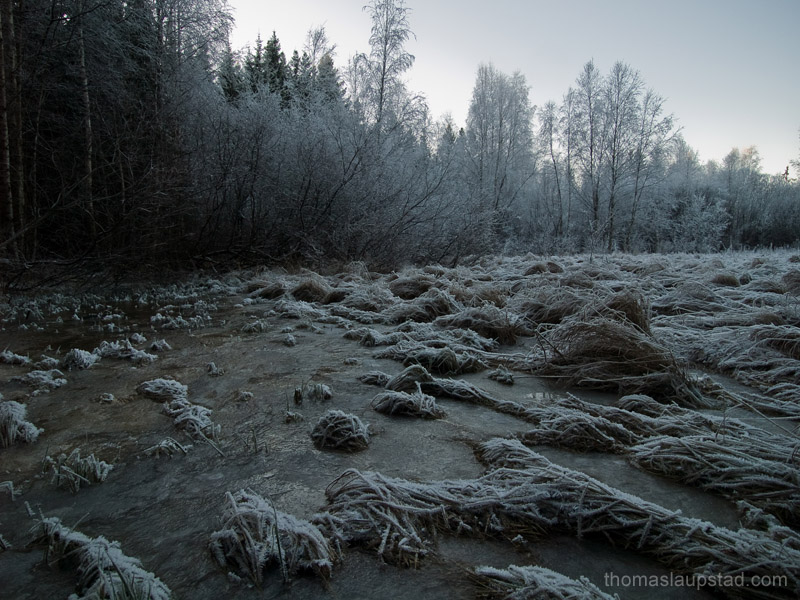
(728, 69)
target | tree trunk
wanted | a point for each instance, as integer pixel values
(6, 194)
(17, 171)
(87, 134)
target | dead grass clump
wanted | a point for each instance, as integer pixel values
(554, 267)
(783, 338)
(604, 354)
(72, 471)
(577, 279)
(473, 295)
(725, 279)
(442, 360)
(488, 321)
(766, 286)
(792, 281)
(648, 268)
(585, 507)
(632, 307)
(338, 430)
(167, 447)
(726, 467)
(192, 418)
(408, 379)
(690, 297)
(103, 570)
(369, 298)
(311, 289)
(411, 286)
(534, 582)
(269, 291)
(163, 390)
(547, 305)
(123, 349)
(525, 494)
(78, 359)
(424, 308)
(378, 378)
(42, 380)
(643, 404)
(399, 519)
(13, 426)
(12, 358)
(576, 430)
(536, 269)
(412, 405)
(370, 338)
(256, 536)
(768, 318)
(502, 375)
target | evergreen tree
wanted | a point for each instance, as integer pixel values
(276, 68)
(255, 66)
(229, 76)
(328, 83)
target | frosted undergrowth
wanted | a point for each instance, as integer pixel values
(167, 447)
(73, 471)
(13, 424)
(524, 493)
(339, 430)
(79, 359)
(719, 454)
(192, 418)
(256, 536)
(104, 571)
(42, 381)
(163, 390)
(530, 582)
(167, 321)
(124, 349)
(11, 358)
(402, 403)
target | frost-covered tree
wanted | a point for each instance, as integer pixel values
(382, 88)
(499, 140)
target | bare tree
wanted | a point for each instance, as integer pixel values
(499, 136)
(388, 58)
(621, 103)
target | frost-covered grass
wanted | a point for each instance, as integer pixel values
(621, 324)
(529, 582)
(79, 359)
(13, 426)
(163, 390)
(256, 536)
(42, 380)
(524, 493)
(124, 349)
(405, 404)
(104, 572)
(167, 447)
(338, 430)
(73, 471)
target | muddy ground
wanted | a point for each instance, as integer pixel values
(162, 509)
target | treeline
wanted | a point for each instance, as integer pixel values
(132, 134)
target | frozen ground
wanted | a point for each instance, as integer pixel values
(715, 336)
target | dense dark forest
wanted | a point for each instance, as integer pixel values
(134, 135)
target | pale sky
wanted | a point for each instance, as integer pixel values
(729, 69)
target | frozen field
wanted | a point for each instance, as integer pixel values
(517, 424)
